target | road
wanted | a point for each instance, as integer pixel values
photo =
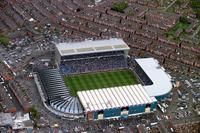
(170, 5)
(14, 99)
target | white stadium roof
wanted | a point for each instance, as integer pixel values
(114, 97)
(161, 80)
(91, 46)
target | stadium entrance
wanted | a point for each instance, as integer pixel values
(148, 108)
(124, 112)
(100, 115)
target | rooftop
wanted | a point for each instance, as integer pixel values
(91, 46)
(114, 97)
(21, 121)
(6, 119)
(161, 80)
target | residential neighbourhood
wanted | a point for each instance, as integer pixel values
(166, 30)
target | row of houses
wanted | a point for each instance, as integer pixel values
(146, 35)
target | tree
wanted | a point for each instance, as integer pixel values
(195, 4)
(4, 40)
(198, 13)
(119, 7)
(34, 113)
(178, 2)
(184, 19)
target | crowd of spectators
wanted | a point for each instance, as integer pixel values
(141, 74)
(93, 63)
(91, 55)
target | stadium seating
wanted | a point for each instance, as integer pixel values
(141, 74)
(93, 62)
(58, 93)
(92, 55)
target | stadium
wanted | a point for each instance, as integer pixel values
(96, 79)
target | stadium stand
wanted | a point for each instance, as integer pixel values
(139, 72)
(57, 92)
(93, 63)
(142, 75)
(161, 80)
(91, 56)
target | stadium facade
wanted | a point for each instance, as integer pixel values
(108, 102)
(116, 102)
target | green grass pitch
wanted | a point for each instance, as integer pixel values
(90, 81)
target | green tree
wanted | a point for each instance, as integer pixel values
(195, 4)
(34, 113)
(119, 7)
(178, 2)
(184, 19)
(4, 40)
(198, 13)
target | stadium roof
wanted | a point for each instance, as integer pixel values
(91, 46)
(161, 80)
(114, 97)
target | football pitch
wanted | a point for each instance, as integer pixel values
(90, 81)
